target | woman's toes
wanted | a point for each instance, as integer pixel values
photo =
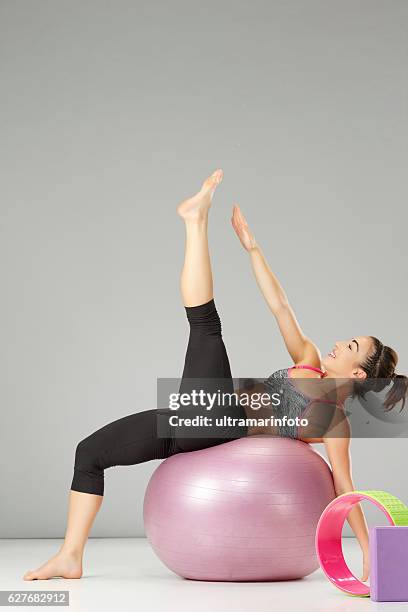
(28, 575)
(31, 575)
(213, 180)
(198, 205)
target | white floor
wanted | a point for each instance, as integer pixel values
(125, 574)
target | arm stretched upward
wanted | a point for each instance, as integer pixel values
(300, 347)
(303, 350)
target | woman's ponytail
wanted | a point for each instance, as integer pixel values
(397, 392)
(380, 366)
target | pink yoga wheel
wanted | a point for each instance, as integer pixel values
(329, 530)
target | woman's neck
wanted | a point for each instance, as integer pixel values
(343, 386)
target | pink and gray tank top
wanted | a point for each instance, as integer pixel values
(293, 403)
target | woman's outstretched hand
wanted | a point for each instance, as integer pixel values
(242, 230)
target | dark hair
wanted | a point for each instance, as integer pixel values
(380, 366)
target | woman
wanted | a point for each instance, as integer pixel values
(135, 438)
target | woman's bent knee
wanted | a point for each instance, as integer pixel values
(88, 472)
(204, 319)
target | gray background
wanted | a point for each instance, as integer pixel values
(111, 112)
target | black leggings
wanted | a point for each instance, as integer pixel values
(134, 438)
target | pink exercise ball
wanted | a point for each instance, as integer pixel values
(245, 510)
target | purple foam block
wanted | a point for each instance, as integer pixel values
(389, 563)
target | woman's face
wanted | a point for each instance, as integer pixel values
(345, 358)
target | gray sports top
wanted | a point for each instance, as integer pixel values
(292, 404)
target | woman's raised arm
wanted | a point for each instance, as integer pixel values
(300, 347)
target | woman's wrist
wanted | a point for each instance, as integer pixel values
(254, 248)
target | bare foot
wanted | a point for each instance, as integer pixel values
(62, 564)
(194, 207)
